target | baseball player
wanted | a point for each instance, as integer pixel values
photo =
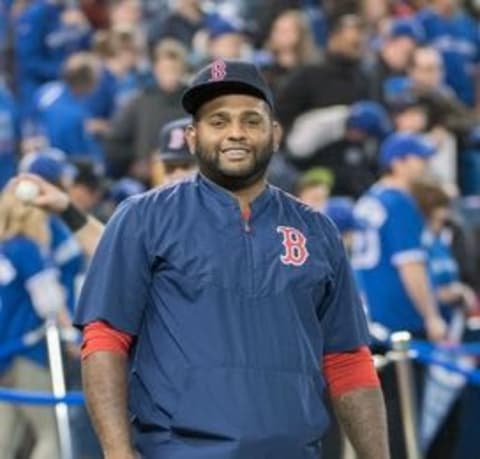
(216, 309)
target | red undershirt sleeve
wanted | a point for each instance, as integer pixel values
(100, 336)
(347, 371)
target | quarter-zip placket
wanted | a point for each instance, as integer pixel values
(248, 235)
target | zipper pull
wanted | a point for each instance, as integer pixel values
(246, 213)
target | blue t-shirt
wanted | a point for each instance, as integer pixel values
(392, 236)
(42, 43)
(20, 260)
(63, 117)
(111, 94)
(9, 135)
(442, 266)
(231, 320)
(457, 39)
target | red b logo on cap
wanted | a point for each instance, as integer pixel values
(219, 70)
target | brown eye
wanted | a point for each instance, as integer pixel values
(217, 123)
(254, 122)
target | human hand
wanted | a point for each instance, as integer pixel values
(49, 198)
(436, 328)
(97, 126)
(469, 298)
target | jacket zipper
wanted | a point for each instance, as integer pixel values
(247, 232)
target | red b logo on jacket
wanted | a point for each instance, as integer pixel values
(295, 244)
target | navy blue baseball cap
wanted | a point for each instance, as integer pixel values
(407, 27)
(371, 118)
(402, 145)
(172, 143)
(222, 77)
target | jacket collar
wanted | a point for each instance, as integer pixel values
(225, 198)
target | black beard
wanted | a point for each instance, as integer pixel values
(209, 167)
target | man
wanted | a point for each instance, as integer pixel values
(390, 262)
(226, 39)
(223, 301)
(338, 80)
(173, 161)
(61, 112)
(389, 254)
(182, 23)
(454, 33)
(427, 82)
(47, 32)
(395, 53)
(134, 131)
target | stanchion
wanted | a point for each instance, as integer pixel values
(58, 387)
(406, 387)
(347, 449)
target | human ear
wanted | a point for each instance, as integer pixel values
(191, 138)
(277, 135)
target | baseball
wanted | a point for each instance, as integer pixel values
(26, 191)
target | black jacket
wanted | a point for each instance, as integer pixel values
(335, 81)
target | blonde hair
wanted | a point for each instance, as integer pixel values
(305, 49)
(17, 218)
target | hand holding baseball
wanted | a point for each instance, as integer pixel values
(33, 190)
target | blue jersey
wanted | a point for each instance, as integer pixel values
(68, 257)
(20, 260)
(42, 43)
(231, 319)
(111, 94)
(63, 117)
(442, 266)
(457, 39)
(9, 136)
(392, 236)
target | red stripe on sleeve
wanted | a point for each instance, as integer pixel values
(100, 336)
(347, 371)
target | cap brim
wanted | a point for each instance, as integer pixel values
(195, 97)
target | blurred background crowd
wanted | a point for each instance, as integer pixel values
(90, 100)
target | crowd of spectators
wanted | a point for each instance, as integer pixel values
(88, 89)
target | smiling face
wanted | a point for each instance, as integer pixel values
(234, 137)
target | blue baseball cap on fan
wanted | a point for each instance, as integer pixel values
(371, 118)
(50, 164)
(407, 27)
(222, 77)
(402, 145)
(340, 210)
(218, 25)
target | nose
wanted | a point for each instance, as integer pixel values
(236, 131)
